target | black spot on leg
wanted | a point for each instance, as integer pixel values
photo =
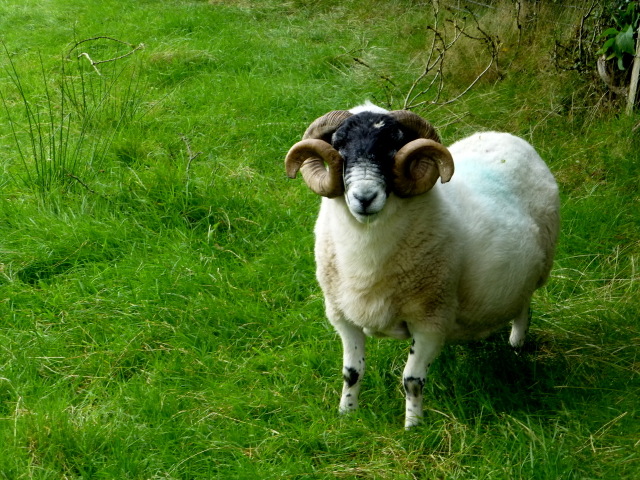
(350, 376)
(413, 386)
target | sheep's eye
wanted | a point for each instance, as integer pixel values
(397, 135)
(339, 136)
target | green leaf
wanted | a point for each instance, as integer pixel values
(609, 31)
(606, 46)
(609, 43)
(630, 13)
(624, 41)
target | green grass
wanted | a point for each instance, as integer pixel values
(160, 316)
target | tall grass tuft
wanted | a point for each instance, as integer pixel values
(64, 130)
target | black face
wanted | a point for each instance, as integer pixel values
(368, 143)
(373, 138)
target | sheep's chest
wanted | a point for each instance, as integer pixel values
(368, 298)
(371, 284)
(383, 273)
(361, 291)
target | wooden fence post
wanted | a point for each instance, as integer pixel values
(635, 73)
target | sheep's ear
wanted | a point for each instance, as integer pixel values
(418, 165)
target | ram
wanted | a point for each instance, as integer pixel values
(400, 254)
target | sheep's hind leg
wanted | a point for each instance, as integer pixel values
(520, 327)
(425, 348)
(353, 344)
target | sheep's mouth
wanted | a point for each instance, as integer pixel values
(365, 213)
(366, 199)
(366, 218)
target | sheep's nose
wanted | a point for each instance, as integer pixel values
(365, 198)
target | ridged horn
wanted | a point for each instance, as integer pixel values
(418, 165)
(420, 162)
(324, 126)
(416, 123)
(310, 156)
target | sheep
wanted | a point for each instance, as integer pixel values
(400, 255)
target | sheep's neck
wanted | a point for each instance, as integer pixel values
(367, 249)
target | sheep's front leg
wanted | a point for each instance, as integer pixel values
(353, 344)
(520, 327)
(425, 348)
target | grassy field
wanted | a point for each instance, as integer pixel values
(159, 312)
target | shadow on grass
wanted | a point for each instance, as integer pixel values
(490, 375)
(546, 377)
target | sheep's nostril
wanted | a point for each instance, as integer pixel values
(365, 198)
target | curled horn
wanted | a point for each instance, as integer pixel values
(420, 162)
(416, 123)
(324, 126)
(314, 151)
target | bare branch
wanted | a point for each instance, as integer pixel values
(140, 46)
(472, 84)
(102, 37)
(382, 76)
(87, 187)
(77, 179)
(431, 79)
(94, 63)
(428, 87)
(190, 154)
